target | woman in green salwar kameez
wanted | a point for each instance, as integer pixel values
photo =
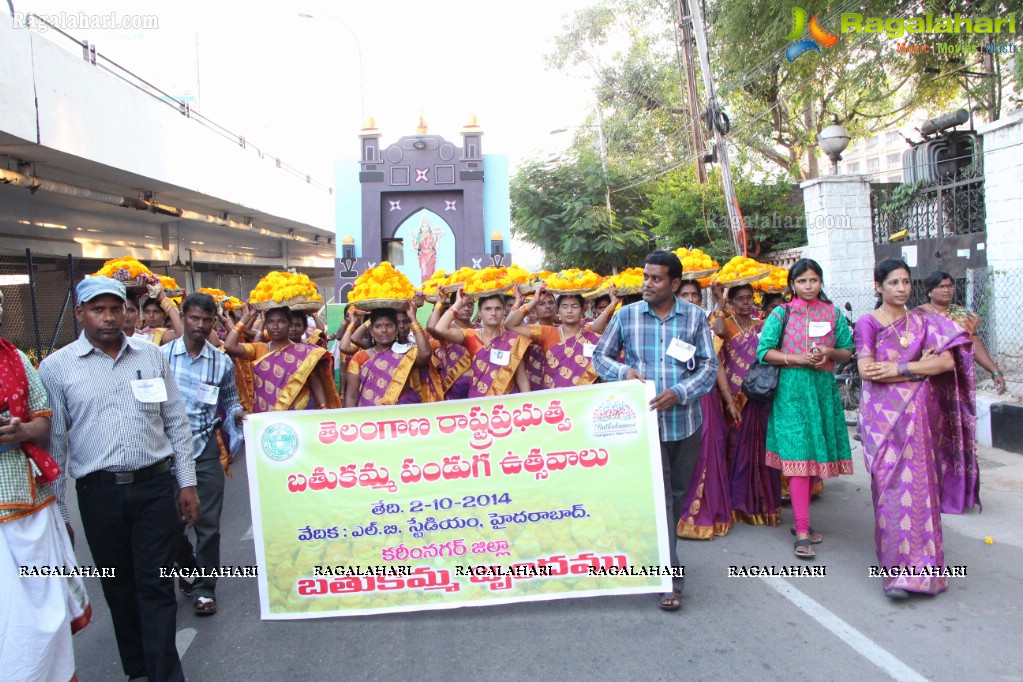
(806, 433)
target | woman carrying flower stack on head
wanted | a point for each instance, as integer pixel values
(544, 313)
(388, 372)
(568, 348)
(806, 432)
(907, 361)
(285, 375)
(707, 507)
(157, 311)
(497, 354)
(453, 359)
(755, 488)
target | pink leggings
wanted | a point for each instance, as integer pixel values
(799, 493)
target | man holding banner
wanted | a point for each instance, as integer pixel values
(667, 341)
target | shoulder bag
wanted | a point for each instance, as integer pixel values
(761, 382)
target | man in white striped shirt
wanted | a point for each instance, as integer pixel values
(118, 421)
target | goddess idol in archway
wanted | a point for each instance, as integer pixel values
(425, 243)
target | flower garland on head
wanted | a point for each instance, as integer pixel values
(519, 275)
(169, 284)
(383, 281)
(232, 303)
(694, 260)
(738, 268)
(776, 281)
(219, 295)
(284, 286)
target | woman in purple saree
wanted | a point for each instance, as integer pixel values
(707, 506)
(906, 360)
(389, 372)
(755, 488)
(567, 348)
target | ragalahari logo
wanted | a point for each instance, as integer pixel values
(818, 36)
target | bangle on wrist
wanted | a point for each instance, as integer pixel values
(997, 373)
(239, 328)
(416, 327)
(166, 304)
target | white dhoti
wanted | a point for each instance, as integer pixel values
(38, 612)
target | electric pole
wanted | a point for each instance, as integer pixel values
(694, 99)
(715, 121)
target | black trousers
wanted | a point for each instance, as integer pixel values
(133, 529)
(678, 460)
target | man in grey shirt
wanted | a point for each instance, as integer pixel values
(118, 422)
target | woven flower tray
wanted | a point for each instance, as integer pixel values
(300, 303)
(693, 275)
(744, 280)
(770, 291)
(451, 288)
(476, 295)
(375, 303)
(572, 292)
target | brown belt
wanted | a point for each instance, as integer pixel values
(126, 477)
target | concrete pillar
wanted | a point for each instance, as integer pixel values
(839, 237)
(1003, 204)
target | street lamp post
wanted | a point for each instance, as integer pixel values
(358, 49)
(833, 140)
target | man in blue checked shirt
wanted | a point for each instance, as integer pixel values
(205, 377)
(667, 341)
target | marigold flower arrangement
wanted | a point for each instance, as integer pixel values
(694, 260)
(125, 269)
(233, 303)
(460, 275)
(572, 279)
(438, 279)
(169, 284)
(776, 281)
(383, 281)
(519, 275)
(739, 267)
(219, 295)
(487, 279)
(283, 286)
(631, 277)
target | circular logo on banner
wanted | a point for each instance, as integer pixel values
(614, 418)
(279, 442)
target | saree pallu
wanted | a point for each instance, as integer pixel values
(566, 363)
(385, 377)
(535, 360)
(755, 488)
(898, 427)
(280, 378)
(956, 421)
(453, 365)
(489, 378)
(706, 508)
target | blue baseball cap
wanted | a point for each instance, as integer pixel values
(91, 287)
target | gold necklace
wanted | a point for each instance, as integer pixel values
(903, 340)
(737, 324)
(943, 314)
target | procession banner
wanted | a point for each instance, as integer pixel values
(543, 495)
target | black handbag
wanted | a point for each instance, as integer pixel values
(761, 382)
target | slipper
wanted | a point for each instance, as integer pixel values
(205, 606)
(804, 545)
(671, 602)
(185, 587)
(815, 537)
(896, 593)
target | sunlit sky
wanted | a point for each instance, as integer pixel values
(292, 85)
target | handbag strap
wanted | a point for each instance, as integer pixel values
(784, 323)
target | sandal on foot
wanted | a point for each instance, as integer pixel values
(205, 606)
(671, 602)
(185, 587)
(815, 537)
(896, 594)
(807, 548)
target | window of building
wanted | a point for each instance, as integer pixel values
(893, 177)
(854, 168)
(873, 164)
(872, 141)
(394, 251)
(892, 160)
(894, 136)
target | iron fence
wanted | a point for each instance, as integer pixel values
(944, 209)
(39, 301)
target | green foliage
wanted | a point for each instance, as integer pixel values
(686, 213)
(559, 205)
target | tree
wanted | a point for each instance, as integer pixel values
(685, 213)
(559, 205)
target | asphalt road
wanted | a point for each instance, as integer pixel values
(836, 627)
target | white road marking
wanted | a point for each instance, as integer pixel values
(863, 645)
(247, 535)
(183, 640)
